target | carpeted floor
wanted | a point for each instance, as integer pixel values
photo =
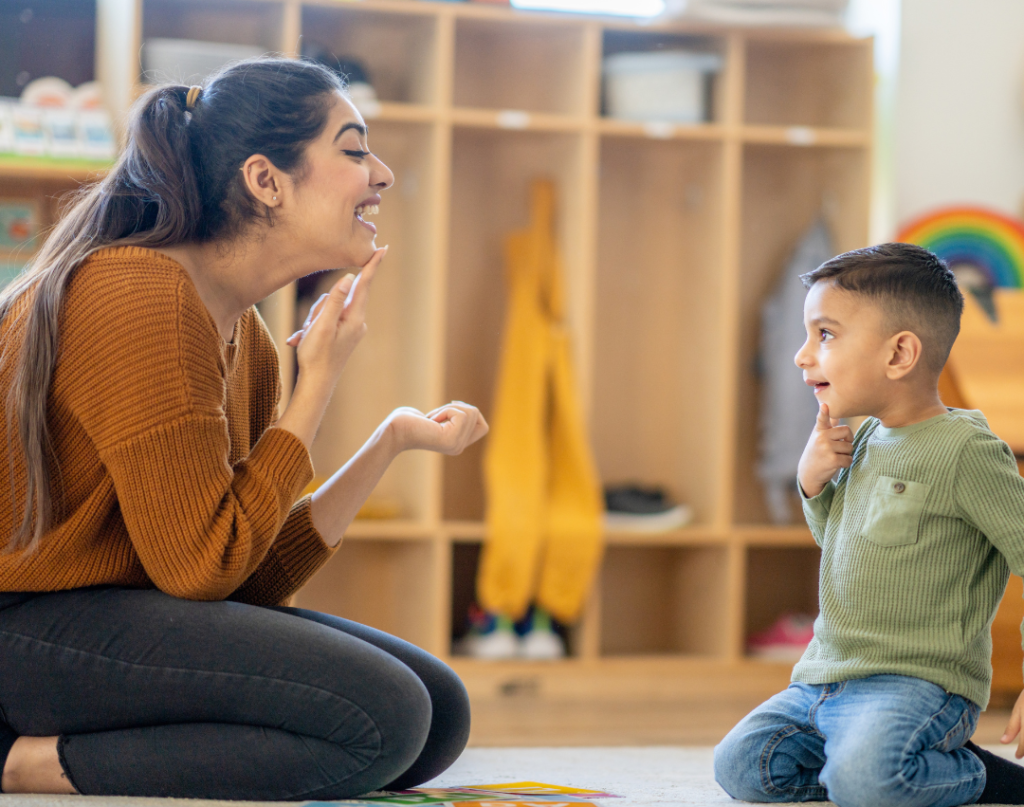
(657, 776)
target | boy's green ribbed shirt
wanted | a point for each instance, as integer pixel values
(918, 538)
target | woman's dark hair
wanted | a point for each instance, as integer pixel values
(177, 181)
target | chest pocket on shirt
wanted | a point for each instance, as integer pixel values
(894, 512)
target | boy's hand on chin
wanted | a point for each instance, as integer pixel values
(1013, 727)
(829, 448)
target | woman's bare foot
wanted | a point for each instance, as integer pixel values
(34, 767)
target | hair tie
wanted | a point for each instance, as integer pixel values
(193, 95)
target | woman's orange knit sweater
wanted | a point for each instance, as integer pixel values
(169, 471)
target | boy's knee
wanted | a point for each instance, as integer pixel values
(860, 792)
(864, 782)
(736, 770)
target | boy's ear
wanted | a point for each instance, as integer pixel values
(906, 350)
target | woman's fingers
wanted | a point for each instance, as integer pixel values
(356, 299)
(339, 292)
(454, 406)
(461, 423)
(314, 311)
(347, 298)
(480, 428)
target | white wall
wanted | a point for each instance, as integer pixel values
(880, 19)
(960, 106)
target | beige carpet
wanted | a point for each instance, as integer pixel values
(656, 776)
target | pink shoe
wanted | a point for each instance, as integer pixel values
(786, 640)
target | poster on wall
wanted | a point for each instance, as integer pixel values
(19, 227)
(19, 232)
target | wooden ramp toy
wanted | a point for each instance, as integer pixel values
(986, 367)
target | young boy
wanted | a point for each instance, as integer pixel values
(918, 533)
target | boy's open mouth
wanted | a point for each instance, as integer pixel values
(818, 385)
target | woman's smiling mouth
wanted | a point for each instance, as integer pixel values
(367, 210)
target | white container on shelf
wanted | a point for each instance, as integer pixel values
(29, 134)
(189, 60)
(96, 135)
(659, 85)
(60, 127)
(7, 125)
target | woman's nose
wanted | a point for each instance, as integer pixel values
(381, 177)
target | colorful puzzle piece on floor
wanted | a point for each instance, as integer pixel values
(540, 789)
(514, 794)
(475, 801)
(544, 803)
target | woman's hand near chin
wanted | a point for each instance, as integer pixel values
(335, 325)
(448, 429)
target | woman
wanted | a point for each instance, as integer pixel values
(152, 522)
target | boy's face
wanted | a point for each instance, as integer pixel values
(846, 353)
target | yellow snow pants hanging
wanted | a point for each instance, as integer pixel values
(544, 503)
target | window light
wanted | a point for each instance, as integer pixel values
(625, 8)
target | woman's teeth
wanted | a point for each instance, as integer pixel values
(367, 210)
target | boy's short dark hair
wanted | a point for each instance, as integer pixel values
(915, 288)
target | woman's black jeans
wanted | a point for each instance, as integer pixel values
(156, 696)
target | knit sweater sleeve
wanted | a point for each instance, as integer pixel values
(150, 368)
(299, 550)
(989, 494)
(817, 508)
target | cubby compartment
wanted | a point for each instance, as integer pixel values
(394, 363)
(48, 38)
(785, 190)
(658, 310)
(397, 50)
(780, 581)
(243, 22)
(392, 585)
(661, 600)
(535, 67)
(825, 84)
(465, 564)
(616, 41)
(492, 173)
(252, 24)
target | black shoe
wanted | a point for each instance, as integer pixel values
(1004, 780)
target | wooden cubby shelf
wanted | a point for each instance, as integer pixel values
(672, 236)
(27, 168)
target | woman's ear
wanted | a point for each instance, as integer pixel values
(905, 355)
(263, 180)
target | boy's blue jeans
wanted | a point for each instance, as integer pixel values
(869, 742)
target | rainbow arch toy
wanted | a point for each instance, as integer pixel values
(989, 241)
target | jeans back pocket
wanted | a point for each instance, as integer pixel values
(894, 511)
